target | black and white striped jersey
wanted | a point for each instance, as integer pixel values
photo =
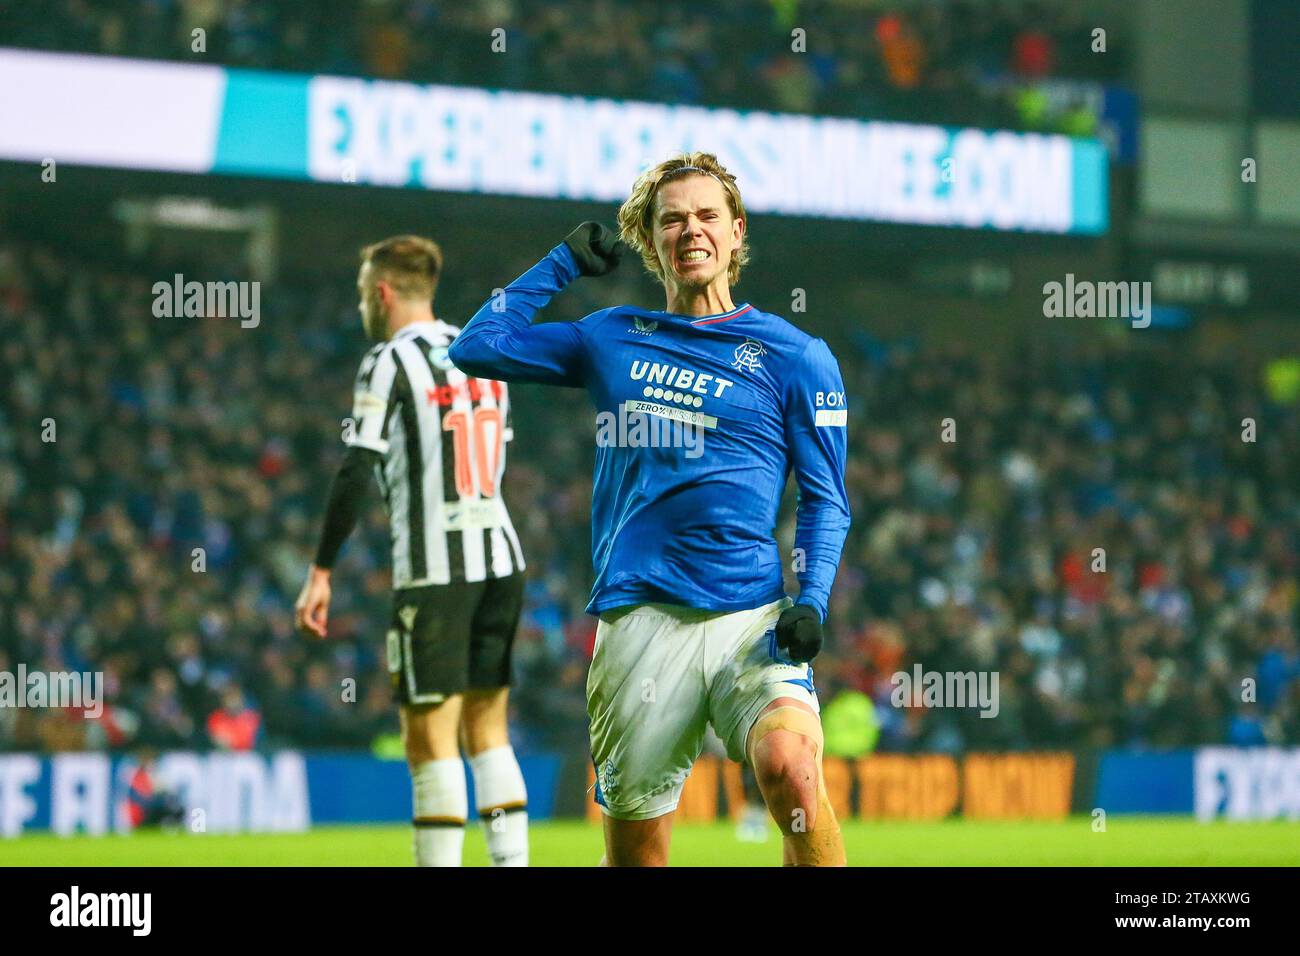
(442, 435)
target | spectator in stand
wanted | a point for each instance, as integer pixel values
(942, 61)
(1033, 51)
(164, 722)
(234, 725)
(901, 50)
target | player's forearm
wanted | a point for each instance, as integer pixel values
(347, 496)
(821, 528)
(817, 433)
(495, 343)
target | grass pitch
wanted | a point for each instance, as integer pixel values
(1127, 841)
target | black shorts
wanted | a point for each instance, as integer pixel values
(445, 639)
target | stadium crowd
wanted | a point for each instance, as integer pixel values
(162, 481)
(954, 61)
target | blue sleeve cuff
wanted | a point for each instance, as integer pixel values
(568, 265)
(815, 605)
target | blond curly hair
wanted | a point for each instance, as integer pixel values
(634, 215)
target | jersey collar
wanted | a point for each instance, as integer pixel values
(425, 326)
(734, 313)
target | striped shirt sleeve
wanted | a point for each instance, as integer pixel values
(373, 400)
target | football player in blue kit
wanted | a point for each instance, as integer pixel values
(695, 626)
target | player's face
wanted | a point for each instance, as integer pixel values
(694, 232)
(371, 307)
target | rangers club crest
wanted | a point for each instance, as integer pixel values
(608, 777)
(747, 356)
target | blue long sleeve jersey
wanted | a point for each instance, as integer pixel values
(674, 525)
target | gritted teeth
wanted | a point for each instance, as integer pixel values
(695, 255)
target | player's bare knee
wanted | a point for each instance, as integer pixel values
(483, 724)
(783, 756)
(785, 765)
(480, 735)
(418, 745)
(429, 732)
(418, 749)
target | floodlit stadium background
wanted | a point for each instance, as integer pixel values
(916, 173)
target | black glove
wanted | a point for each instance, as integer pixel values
(799, 633)
(597, 249)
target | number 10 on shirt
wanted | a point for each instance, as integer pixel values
(485, 458)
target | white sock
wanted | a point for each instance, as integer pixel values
(440, 804)
(502, 805)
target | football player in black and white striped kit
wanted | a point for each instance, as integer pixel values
(435, 440)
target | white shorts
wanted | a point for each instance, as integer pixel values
(660, 675)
